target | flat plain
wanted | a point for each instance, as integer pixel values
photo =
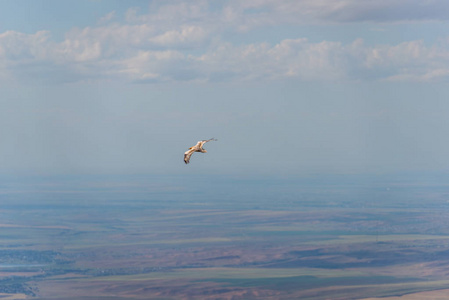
(165, 238)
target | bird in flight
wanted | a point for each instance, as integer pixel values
(197, 148)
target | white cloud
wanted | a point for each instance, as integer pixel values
(182, 41)
(134, 57)
(329, 61)
(151, 65)
(16, 46)
(290, 58)
(409, 61)
(182, 36)
(108, 17)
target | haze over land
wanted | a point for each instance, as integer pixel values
(129, 237)
(328, 179)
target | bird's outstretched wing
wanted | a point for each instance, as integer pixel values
(187, 155)
(205, 141)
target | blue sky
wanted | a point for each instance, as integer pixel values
(287, 87)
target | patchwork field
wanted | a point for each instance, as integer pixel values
(325, 242)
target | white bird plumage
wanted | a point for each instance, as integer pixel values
(197, 148)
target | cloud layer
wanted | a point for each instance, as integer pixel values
(335, 11)
(178, 41)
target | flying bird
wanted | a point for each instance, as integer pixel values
(197, 148)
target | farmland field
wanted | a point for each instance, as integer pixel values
(144, 237)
